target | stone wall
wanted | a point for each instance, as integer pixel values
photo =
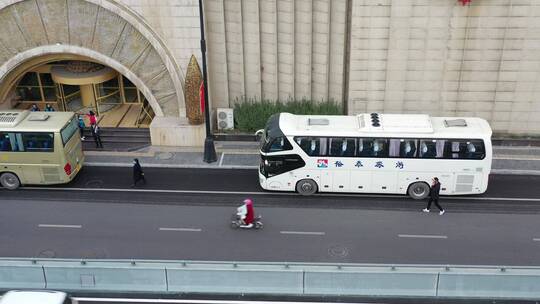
(276, 49)
(441, 58)
(176, 21)
(101, 30)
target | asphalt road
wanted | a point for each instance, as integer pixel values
(515, 186)
(195, 226)
(181, 214)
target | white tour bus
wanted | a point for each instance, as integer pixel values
(375, 153)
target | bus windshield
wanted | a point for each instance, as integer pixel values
(70, 129)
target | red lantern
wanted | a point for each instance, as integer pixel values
(464, 2)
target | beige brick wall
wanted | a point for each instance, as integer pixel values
(441, 58)
(176, 21)
(278, 49)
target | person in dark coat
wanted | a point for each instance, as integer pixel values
(97, 136)
(434, 196)
(138, 173)
(34, 108)
(49, 108)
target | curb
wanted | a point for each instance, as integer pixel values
(150, 165)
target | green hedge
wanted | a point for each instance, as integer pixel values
(251, 115)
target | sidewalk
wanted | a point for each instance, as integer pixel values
(244, 155)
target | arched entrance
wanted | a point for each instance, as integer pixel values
(82, 86)
(38, 32)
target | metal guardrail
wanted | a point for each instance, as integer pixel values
(298, 279)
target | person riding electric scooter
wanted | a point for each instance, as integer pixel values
(246, 213)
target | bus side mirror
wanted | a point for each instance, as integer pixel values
(259, 132)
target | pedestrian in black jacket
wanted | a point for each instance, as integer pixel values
(138, 173)
(434, 196)
(96, 133)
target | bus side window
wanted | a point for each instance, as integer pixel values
(313, 146)
(348, 146)
(465, 149)
(380, 148)
(408, 148)
(427, 149)
(280, 144)
(365, 147)
(342, 146)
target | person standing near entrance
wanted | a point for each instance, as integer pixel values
(34, 108)
(96, 134)
(92, 118)
(49, 108)
(434, 196)
(138, 173)
(81, 125)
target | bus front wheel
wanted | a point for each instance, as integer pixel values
(9, 181)
(306, 187)
(418, 190)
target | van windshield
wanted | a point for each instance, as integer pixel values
(70, 129)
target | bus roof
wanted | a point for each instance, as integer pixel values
(26, 121)
(390, 125)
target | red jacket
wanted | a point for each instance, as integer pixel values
(250, 215)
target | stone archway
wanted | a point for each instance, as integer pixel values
(102, 30)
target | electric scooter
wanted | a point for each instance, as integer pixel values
(238, 223)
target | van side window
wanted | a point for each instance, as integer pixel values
(5, 142)
(38, 142)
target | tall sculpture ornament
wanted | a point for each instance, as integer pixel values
(192, 88)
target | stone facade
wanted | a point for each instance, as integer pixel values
(441, 58)
(394, 56)
(100, 30)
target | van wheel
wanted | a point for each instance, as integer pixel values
(418, 190)
(9, 181)
(306, 187)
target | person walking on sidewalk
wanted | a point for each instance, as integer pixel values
(97, 136)
(434, 196)
(138, 173)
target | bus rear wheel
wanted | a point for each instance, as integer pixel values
(9, 181)
(306, 187)
(418, 190)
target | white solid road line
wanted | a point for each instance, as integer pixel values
(422, 236)
(221, 159)
(359, 195)
(185, 301)
(59, 226)
(303, 232)
(180, 229)
(536, 239)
